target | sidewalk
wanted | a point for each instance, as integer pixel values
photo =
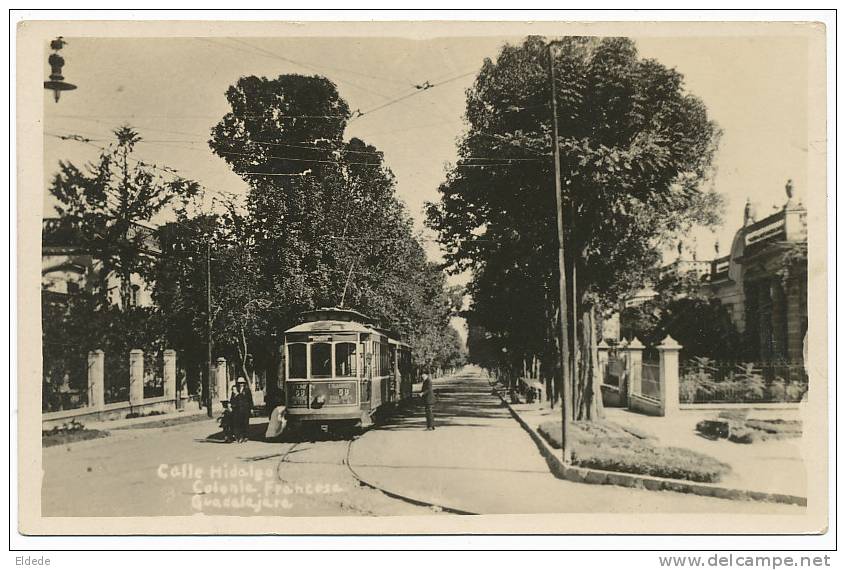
(772, 466)
(480, 460)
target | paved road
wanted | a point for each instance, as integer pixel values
(178, 471)
(478, 460)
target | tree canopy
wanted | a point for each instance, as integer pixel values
(636, 152)
(111, 204)
(323, 222)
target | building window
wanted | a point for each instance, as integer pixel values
(136, 296)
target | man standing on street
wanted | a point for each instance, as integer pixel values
(428, 394)
(242, 407)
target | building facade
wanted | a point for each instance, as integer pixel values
(67, 268)
(763, 282)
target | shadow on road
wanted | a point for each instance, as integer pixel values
(459, 403)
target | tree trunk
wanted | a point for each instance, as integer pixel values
(588, 394)
(242, 355)
(125, 290)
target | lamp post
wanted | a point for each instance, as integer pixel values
(566, 388)
(57, 82)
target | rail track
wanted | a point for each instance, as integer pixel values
(341, 455)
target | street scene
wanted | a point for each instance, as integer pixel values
(436, 276)
(396, 468)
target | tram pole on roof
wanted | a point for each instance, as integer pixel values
(566, 388)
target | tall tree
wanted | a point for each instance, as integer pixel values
(323, 220)
(111, 204)
(635, 151)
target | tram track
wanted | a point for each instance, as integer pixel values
(394, 495)
(344, 455)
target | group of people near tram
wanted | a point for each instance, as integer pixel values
(237, 411)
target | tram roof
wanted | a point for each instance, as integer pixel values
(335, 314)
(331, 326)
(335, 319)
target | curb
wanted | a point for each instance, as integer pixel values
(600, 477)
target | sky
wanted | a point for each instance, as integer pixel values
(172, 91)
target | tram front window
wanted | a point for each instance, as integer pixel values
(296, 361)
(321, 360)
(345, 359)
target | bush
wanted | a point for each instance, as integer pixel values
(777, 429)
(713, 429)
(133, 415)
(607, 446)
(743, 434)
(68, 433)
(736, 428)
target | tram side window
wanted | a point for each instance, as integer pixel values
(296, 361)
(345, 359)
(321, 360)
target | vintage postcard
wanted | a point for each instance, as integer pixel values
(422, 277)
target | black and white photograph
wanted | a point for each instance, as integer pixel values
(414, 277)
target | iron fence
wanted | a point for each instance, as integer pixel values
(64, 383)
(650, 383)
(705, 381)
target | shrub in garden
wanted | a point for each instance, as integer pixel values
(736, 428)
(743, 434)
(69, 432)
(607, 446)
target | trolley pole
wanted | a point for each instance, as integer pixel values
(208, 331)
(566, 388)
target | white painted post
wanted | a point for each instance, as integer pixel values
(634, 363)
(668, 352)
(221, 381)
(96, 385)
(602, 350)
(136, 377)
(169, 374)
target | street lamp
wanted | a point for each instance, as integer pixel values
(566, 395)
(57, 81)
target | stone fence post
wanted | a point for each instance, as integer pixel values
(169, 374)
(221, 383)
(136, 377)
(96, 385)
(634, 363)
(668, 354)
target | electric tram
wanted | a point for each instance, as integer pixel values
(341, 368)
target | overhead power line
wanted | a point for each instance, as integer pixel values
(272, 54)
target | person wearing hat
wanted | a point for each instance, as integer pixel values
(242, 407)
(428, 395)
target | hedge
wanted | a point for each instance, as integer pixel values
(607, 446)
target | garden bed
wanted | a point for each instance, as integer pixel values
(69, 433)
(741, 430)
(609, 447)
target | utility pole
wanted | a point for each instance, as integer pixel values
(208, 331)
(566, 391)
